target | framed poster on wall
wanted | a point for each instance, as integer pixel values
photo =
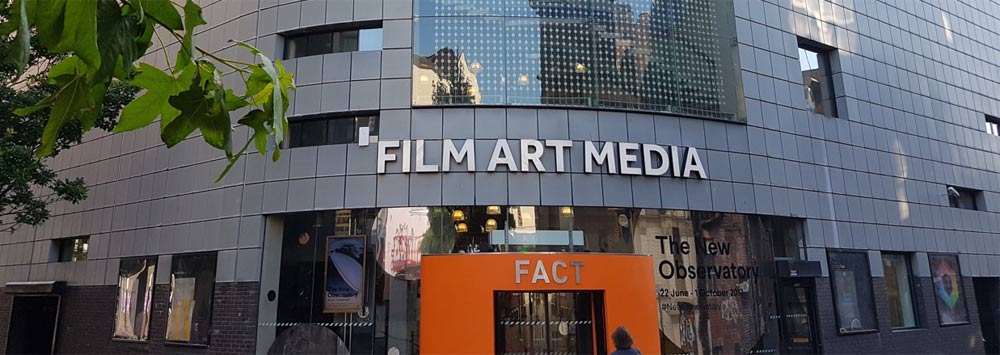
(344, 274)
(949, 294)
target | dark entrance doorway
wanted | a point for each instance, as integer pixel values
(988, 301)
(549, 323)
(796, 309)
(33, 324)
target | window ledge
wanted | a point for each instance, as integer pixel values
(857, 332)
(958, 324)
(133, 341)
(908, 330)
(185, 345)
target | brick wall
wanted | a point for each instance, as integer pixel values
(87, 321)
(929, 338)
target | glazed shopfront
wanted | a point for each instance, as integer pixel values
(527, 279)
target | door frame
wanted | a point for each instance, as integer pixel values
(809, 283)
(991, 284)
(55, 325)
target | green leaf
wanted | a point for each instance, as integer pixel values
(201, 108)
(49, 18)
(192, 19)
(21, 48)
(143, 110)
(79, 32)
(163, 12)
(256, 120)
(279, 96)
(72, 99)
(234, 102)
(117, 39)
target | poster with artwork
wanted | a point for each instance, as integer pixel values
(948, 292)
(345, 274)
(181, 309)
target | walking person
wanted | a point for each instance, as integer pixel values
(623, 342)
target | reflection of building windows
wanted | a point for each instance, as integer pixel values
(324, 42)
(817, 80)
(71, 249)
(192, 285)
(326, 130)
(650, 55)
(949, 294)
(899, 290)
(969, 199)
(852, 292)
(135, 298)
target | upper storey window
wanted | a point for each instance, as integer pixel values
(817, 80)
(992, 125)
(673, 56)
(330, 41)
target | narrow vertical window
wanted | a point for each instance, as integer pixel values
(852, 292)
(948, 291)
(192, 287)
(993, 125)
(817, 80)
(899, 290)
(135, 298)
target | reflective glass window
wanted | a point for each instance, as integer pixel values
(135, 298)
(817, 81)
(332, 41)
(651, 55)
(370, 39)
(899, 290)
(852, 292)
(192, 287)
(949, 294)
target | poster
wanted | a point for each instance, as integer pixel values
(345, 274)
(948, 292)
(181, 310)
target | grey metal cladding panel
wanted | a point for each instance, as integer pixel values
(645, 192)
(288, 16)
(330, 192)
(313, 13)
(425, 189)
(587, 190)
(336, 97)
(395, 125)
(583, 125)
(393, 190)
(553, 124)
(339, 11)
(275, 196)
(490, 123)
(308, 99)
(699, 194)
(359, 191)
(302, 162)
(336, 67)
(641, 128)
(396, 63)
(366, 65)
(367, 10)
(301, 194)
(426, 124)
(308, 70)
(395, 93)
(396, 33)
(331, 160)
(556, 189)
(522, 123)
(612, 126)
(668, 130)
(491, 189)
(617, 190)
(523, 189)
(458, 188)
(397, 9)
(459, 123)
(365, 95)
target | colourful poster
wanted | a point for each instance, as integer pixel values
(948, 292)
(345, 274)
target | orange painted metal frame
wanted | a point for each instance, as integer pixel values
(456, 301)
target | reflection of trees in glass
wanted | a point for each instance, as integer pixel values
(440, 236)
(453, 81)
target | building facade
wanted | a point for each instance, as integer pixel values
(477, 176)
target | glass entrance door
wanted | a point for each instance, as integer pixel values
(549, 322)
(798, 334)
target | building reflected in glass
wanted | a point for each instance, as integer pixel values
(672, 56)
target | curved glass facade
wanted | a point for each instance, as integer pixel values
(674, 56)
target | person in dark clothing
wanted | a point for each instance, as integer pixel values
(623, 342)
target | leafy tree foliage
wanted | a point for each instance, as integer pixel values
(103, 41)
(27, 185)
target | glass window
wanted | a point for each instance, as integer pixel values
(330, 41)
(899, 290)
(135, 298)
(330, 130)
(72, 249)
(192, 286)
(341, 130)
(370, 39)
(649, 55)
(959, 197)
(817, 81)
(852, 292)
(948, 291)
(313, 132)
(993, 125)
